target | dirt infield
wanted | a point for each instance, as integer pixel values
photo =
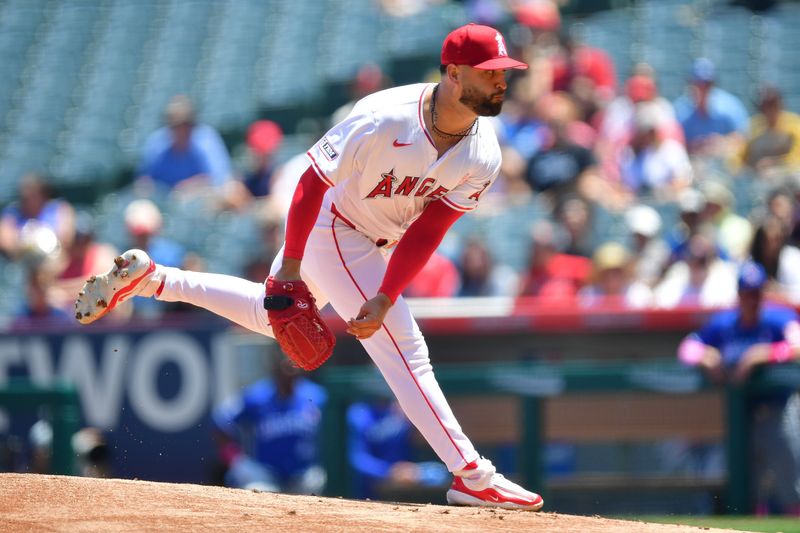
(55, 503)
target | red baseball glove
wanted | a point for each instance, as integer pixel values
(298, 327)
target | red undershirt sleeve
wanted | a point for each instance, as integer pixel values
(416, 247)
(303, 212)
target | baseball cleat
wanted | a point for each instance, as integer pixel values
(133, 274)
(490, 489)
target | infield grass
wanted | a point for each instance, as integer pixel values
(739, 523)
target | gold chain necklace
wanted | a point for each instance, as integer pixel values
(463, 133)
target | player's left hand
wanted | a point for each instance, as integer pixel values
(370, 317)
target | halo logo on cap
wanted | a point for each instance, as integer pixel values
(501, 45)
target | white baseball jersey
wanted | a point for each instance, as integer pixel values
(383, 168)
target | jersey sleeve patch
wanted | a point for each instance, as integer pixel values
(328, 149)
(343, 148)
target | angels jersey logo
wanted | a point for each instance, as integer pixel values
(501, 45)
(410, 185)
(477, 195)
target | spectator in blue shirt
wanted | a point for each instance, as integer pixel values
(728, 349)
(36, 207)
(379, 450)
(280, 420)
(184, 152)
(714, 121)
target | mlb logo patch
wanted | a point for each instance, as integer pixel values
(328, 150)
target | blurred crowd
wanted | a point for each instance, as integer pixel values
(588, 149)
(694, 188)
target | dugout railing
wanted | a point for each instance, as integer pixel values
(60, 400)
(534, 383)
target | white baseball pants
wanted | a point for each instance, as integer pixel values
(344, 268)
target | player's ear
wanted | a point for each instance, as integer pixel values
(453, 72)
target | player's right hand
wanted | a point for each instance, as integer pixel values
(370, 317)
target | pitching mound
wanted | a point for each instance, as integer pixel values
(55, 503)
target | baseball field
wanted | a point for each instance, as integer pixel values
(55, 503)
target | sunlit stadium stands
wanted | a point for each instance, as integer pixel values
(85, 82)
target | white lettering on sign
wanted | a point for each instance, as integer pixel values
(100, 388)
(39, 360)
(103, 379)
(182, 411)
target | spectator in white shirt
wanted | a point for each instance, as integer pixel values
(651, 163)
(700, 278)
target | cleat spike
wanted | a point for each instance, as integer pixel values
(101, 303)
(78, 315)
(91, 279)
(119, 261)
(123, 274)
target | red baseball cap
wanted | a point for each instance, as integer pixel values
(264, 136)
(479, 47)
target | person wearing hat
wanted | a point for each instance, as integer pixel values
(264, 137)
(650, 251)
(183, 151)
(617, 120)
(728, 349)
(692, 205)
(379, 193)
(714, 120)
(143, 222)
(733, 232)
(612, 284)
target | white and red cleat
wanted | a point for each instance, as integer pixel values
(133, 274)
(479, 485)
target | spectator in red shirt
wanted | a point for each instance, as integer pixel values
(81, 259)
(586, 72)
(552, 275)
(439, 278)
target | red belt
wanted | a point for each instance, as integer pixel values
(380, 243)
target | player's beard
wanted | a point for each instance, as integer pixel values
(481, 105)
